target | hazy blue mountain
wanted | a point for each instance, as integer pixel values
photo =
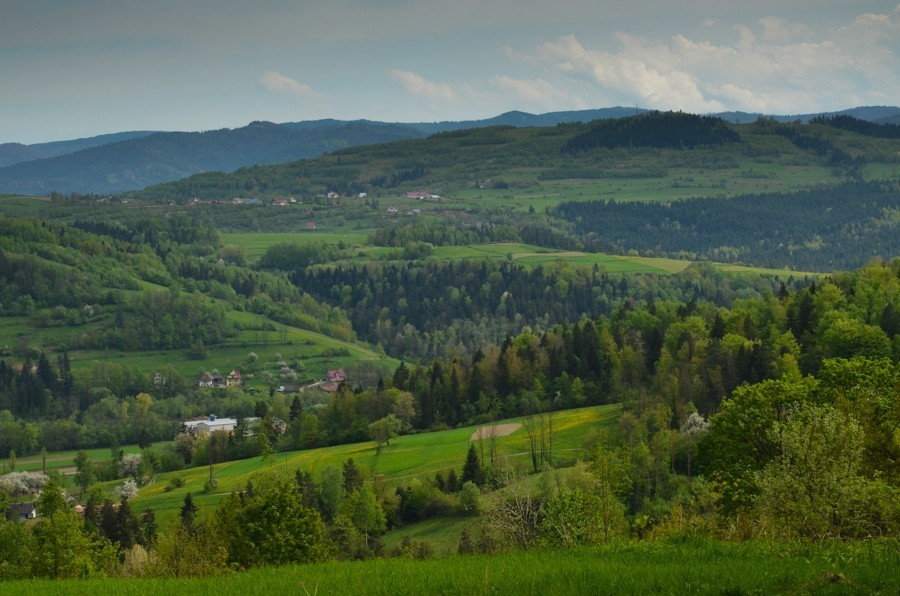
(133, 160)
(161, 157)
(877, 114)
(13, 153)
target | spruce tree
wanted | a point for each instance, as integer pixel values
(352, 476)
(188, 512)
(472, 471)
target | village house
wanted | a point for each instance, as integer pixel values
(279, 202)
(211, 380)
(209, 425)
(233, 379)
(336, 376)
(21, 511)
(212, 424)
(417, 194)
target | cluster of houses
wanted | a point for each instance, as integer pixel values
(233, 379)
(276, 202)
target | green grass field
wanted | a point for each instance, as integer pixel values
(696, 567)
(61, 461)
(255, 244)
(407, 457)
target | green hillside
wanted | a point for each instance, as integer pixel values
(407, 457)
(505, 165)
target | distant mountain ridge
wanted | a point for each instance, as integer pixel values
(133, 160)
(13, 153)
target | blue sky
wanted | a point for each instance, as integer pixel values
(76, 68)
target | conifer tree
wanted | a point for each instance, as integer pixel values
(472, 471)
(188, 512)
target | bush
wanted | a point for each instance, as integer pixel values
(470, 498)
(176, 482)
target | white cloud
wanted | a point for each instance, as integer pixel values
(641, 73)
(282, 86)
(538, 92)
(770, 65)
(775, 29)
(422, 87)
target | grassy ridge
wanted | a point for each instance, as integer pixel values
(630, 568)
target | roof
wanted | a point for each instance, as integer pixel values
(219, 422)
(21, 510)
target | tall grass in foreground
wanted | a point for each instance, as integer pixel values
(700, 567)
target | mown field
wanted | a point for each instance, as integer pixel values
(255, 245)
(61, 461)
(407, 457)
(693, 567)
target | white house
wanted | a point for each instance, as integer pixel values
(209, 425)
(21, 511)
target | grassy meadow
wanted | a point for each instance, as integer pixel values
(692, 567)
(255, 245)
(61, 461)
(407, 457)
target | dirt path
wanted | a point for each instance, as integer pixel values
(497, 430)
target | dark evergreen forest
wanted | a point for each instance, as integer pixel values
(824, 229)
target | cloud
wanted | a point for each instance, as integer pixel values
(646, 74)
(538, 92)
(422, 87)
(282, 86)
(769, 65)
(775, 29)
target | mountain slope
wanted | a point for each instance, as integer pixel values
(161, 157)
(133, 160)
(532, 160)
(13, 153)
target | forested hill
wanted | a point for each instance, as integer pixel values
(824, 229)
(655, 129)
(671, 147)
(12, 153)
(103, 165)
(140, 162)
(156, 284)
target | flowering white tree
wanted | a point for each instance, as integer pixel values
(22, 483)
(130, 465)
(128, 490)
(695, 426)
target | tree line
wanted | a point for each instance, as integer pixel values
(824, 229)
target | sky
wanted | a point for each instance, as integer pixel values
(79, 68)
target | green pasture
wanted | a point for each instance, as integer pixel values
(255, 244)
(678, 183)
(692, 567)
(62, 461)
(315, 350)
(440, 533)
(407, 457)
(22, 206)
